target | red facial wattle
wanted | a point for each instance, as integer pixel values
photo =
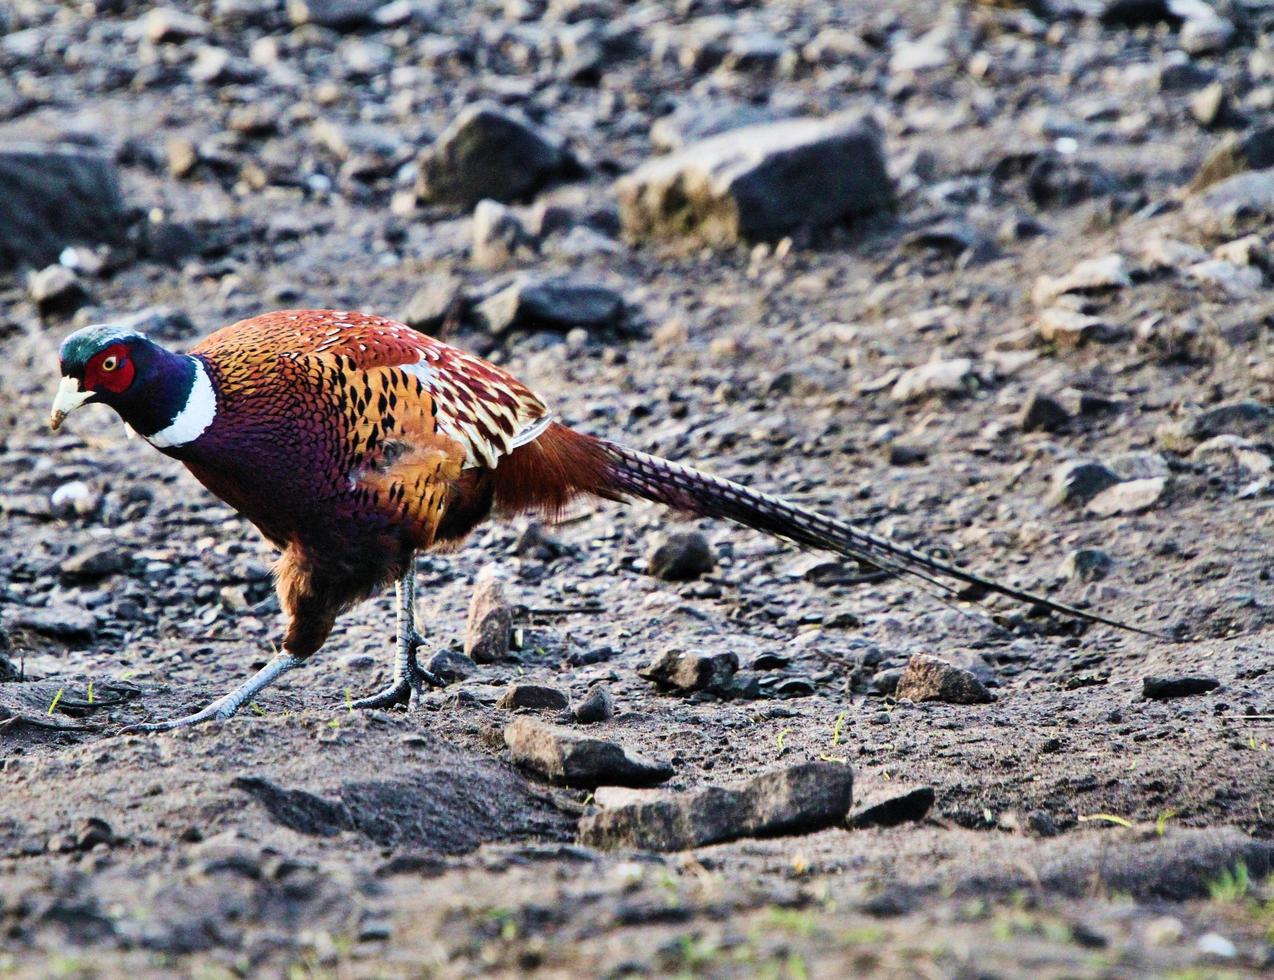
(110, 369)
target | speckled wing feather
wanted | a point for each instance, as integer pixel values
(400, 414)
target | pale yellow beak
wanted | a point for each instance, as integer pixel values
(70, 396)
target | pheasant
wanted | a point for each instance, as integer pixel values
(353, 442)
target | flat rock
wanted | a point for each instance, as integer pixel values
(56, 290)
(759, 182)
(490, 621)
(562, 756)
(338, 15)
(1070, 328)
(537, 697)
(53, 198)
(1245, 418)
(1231, 205)
(681, 557)
(890, 804)
(559, 303)
(451, 666)
(1097, 275)
(1163, 688)
(94, 562)
(682, 671)
(1079, 481)
(951, 377)
(65, 622)
(489, 152)
(800, 800)
(1128, 497)
(931, 679)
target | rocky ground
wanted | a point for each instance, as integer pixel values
(1002, 290)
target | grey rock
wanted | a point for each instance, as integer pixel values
(536, 697)
(1070, 328)
(1041, 413)
(490, 622)
(1253, 150)
(94, 562)
(56, 290)
(451, 666)
(694, 120)
(561, 756)
(1086, 565)
(1099, 275)
(338, 15)
(1246, 418)
(1210, 105)
(1128, 497)
(53, 198)
(1163, 688)
(890, 804)
(598, 705)
(1205, 35)
(799, 800)
(433, 303)
(931, 679)
(488, 152)
(499, 237)
(759, 183)
(559, 303)
(71, 624)
(168, 25)
(1078, 482)
(950, 377)
(680, 557)
(1231, 205)
(683, 671)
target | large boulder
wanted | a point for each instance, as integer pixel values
(760, 182)
(54, 197)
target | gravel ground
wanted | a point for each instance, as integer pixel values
(1069, 265)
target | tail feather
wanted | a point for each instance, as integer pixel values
(636, 474)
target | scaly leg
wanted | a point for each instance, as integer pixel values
(224, 707)
(408, 674)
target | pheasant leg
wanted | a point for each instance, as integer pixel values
(408, 674)
(228, 704)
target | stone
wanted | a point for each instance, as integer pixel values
(1078, 482)
(1210, 105)
(694, 120)
(71, 624)
(56, 290)
(1163, 688)
(560, 303)
(490, 622)
(759, 183)
(951, 377)
(167, 25)
(74, 499)
(929, 678)
(1246, 418)
(433, 303)
(1253, 150)
(1042, 413)
(1230, 280)
(1089, 276)
(94, 562)
(536, 697)
(1231, 205)
(1128, 497)
(1159, 252)
(561, 756)
(489, 152)
(499, 237)
(799, 800)
(451, 666)
(680, 557)
(1206, 34)
(53, 198)
(93, 831)
(1086, 565)
(682, 671)
(598, 705)
(890, 804)
(337, 15)
(1070, 328)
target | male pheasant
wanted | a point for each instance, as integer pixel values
(353, 442)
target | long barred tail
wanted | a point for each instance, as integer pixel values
(635, 474)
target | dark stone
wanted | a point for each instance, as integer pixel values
(931, 679)
(94, 562)
(681, 557)
(1163, 688)
(451, 666)
(561, 756)
(1078, 482)
(1136, 13)
(57, 291)
(800, 800)
(536, 697)
(70, 624)
(1040, 413)
(1087, 565)
(488, 152)
(93, 831)
(54, 198)
(434, 303)
(598, 705)
(691, 671)
(887, 805)
(490, 622)
(337, 15)
(560, 303)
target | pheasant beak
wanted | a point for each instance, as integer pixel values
(70, 396)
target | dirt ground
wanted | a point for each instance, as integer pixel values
(1078, 829)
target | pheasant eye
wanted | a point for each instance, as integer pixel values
(110, 363)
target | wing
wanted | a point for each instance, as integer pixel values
(384, 370)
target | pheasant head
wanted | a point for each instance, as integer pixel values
(166, 397)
